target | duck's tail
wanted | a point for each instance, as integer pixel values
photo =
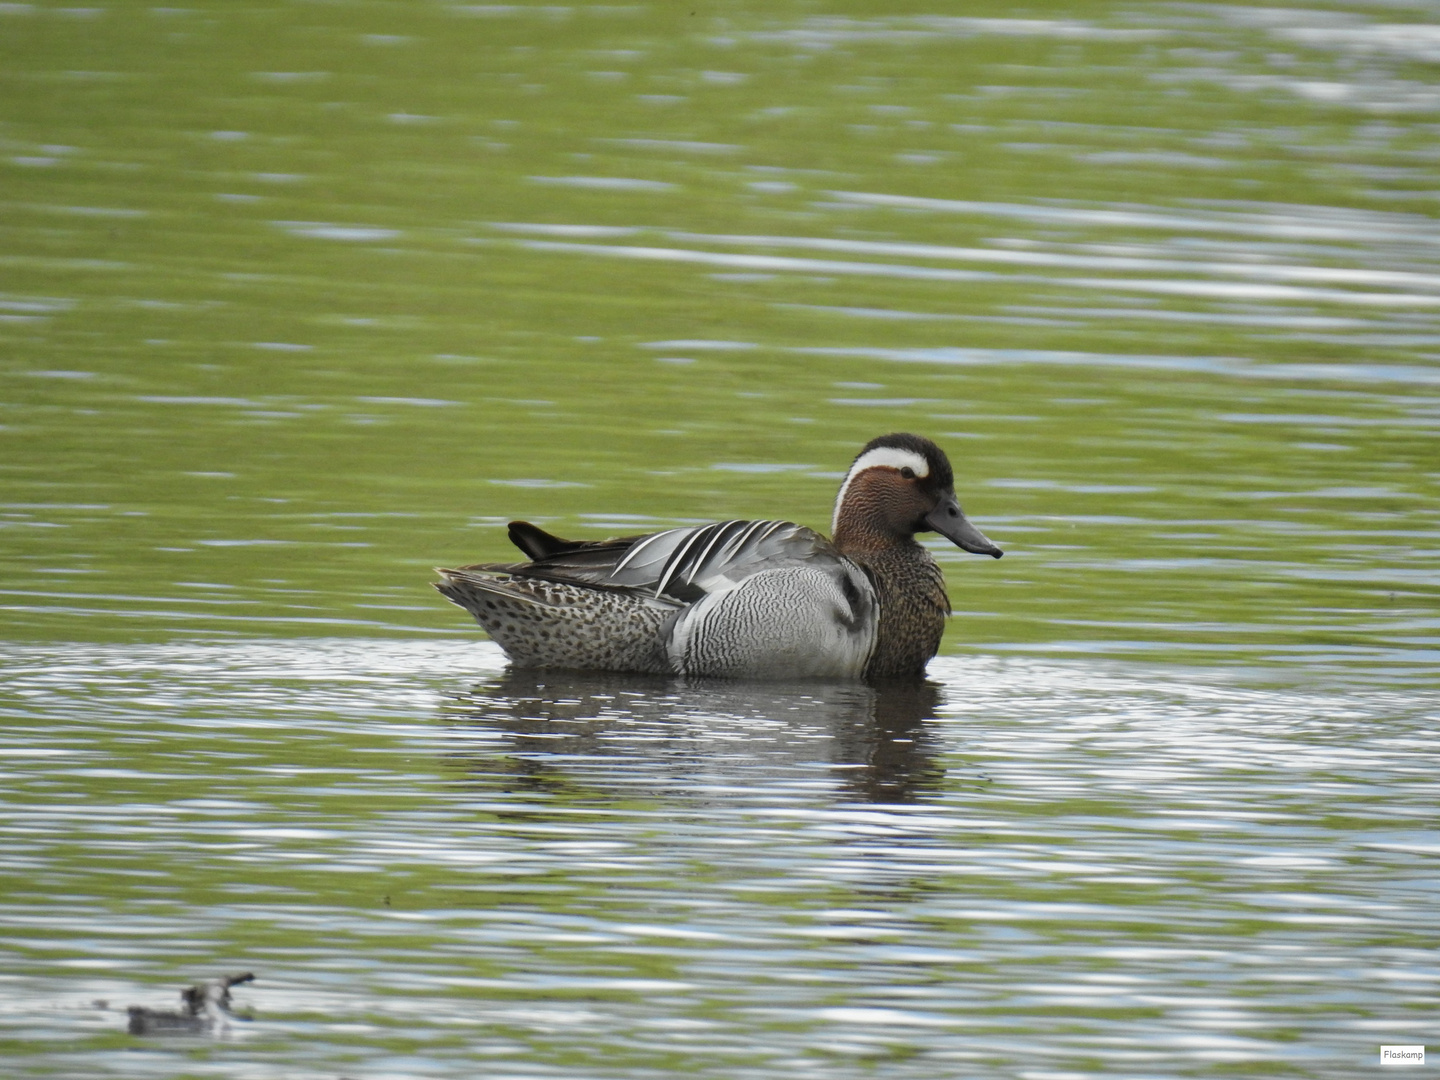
(556, 624)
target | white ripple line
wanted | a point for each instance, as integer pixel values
(1353, 227)
(1273, 271)
(783, 263)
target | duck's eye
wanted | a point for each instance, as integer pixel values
(908, 473)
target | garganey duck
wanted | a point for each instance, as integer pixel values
(741, 599)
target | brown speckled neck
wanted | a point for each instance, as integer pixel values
(875, 529)
(913, 606)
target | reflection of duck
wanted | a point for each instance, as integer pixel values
(893, 743)
(749, 599)
(560, 726)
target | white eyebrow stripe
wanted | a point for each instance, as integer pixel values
(892, 457)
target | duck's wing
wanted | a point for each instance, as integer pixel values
(681, 563)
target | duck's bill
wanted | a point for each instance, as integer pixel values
(947, 520)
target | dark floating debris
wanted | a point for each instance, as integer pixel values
(207, 1008)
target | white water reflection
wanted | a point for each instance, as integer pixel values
(1279, 222)
(1369, 374)
(1260, 287)
(1256, 266)
(828, 32)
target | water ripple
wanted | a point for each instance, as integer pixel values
(406, 855)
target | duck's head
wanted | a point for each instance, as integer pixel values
(898, 486)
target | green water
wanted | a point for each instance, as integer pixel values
(264, 336)
(298, 300)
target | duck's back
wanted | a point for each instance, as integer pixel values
(749, 599)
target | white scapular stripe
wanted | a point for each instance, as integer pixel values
(891, 457)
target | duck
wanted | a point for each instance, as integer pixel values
(741, 599)
(207, 1007)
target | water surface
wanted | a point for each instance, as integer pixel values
(299, 300)
(1017, 867)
